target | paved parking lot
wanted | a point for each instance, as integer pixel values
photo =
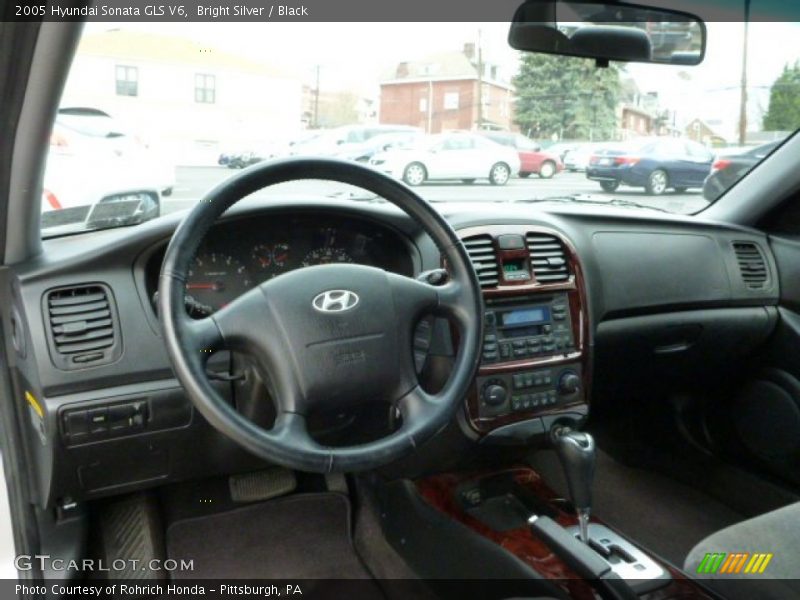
(193, 182)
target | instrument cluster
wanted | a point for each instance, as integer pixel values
(239, 255)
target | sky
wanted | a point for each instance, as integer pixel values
(353, 56)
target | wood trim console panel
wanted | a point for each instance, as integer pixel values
(575, 289)
(440, 491)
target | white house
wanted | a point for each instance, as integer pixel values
(188, 99)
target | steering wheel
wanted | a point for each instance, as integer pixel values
(327, 335)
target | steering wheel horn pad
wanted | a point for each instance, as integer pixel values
(325, 336)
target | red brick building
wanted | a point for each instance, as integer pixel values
(445, 92)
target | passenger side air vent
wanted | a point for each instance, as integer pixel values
(83, 329)
(752, 264)
(481, 251)
(548, 258)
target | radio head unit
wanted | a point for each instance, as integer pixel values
(527, 328)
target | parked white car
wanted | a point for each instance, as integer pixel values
(92, 161)
(364, 151)
(577, 159)
(333, 142)
(463, 156)
(95, 134)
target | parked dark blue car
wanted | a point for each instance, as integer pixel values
(656, 165)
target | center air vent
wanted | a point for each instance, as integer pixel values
(82, 326)
(548, 258)
(481, 251)
(751, 264)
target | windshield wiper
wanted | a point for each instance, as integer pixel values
(585, 199)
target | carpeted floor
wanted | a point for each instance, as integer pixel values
(304, 536)
(662, 515)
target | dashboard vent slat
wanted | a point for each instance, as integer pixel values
(82, 326)
(77, 308)
(752, 265)
(482, 254)
(548, 258)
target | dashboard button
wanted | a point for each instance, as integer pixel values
(98, 420)
(76, 423)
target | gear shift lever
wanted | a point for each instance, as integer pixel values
(576, 451)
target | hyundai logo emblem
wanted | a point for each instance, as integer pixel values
(334, 301)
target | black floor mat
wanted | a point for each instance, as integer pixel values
(664, 516)
(297, 537)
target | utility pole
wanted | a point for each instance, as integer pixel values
(430, 104)
(743, 92)
(316, 100)
(480, 81)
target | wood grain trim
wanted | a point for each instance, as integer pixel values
(440, 492)
(575, 288)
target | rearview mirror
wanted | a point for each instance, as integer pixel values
(624, 32)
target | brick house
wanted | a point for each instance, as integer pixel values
(699, 131)
(441, 93)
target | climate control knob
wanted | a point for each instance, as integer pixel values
(494, 394)
(569, 383)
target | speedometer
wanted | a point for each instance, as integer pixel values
(216, 278)
(324, 256)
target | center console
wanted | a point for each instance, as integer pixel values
(534, 370)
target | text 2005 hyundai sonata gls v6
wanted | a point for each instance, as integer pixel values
(412, 374)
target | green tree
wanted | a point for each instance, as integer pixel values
(783, 113)
(567, 96)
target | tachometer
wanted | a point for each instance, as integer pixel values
(324, 256)
(215, 279)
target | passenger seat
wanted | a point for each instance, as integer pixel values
(776, 533)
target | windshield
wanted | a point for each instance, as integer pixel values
(153, 115)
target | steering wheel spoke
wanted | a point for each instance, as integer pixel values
(416, 405)
(451, 305)
(203, 336)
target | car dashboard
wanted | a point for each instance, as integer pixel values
(577, 301)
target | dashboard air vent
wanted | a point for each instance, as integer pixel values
(751, 264)
(481, 251)
(548, 258)
(82, 326)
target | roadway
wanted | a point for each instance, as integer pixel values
(193, 182)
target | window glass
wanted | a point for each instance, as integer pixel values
(127, 80)
(451, 101)
(204, 88)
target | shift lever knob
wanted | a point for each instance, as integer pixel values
(576, 451)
